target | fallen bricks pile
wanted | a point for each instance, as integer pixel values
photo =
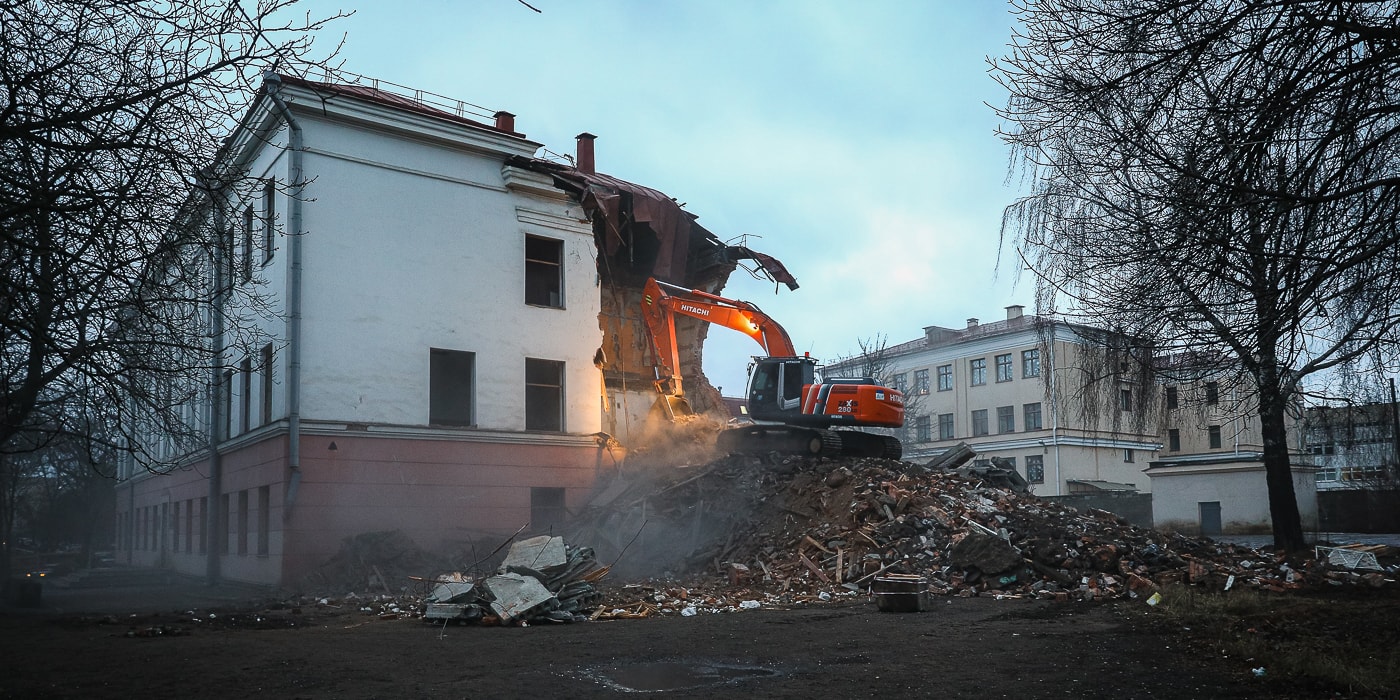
(799, 530)
(541, 580)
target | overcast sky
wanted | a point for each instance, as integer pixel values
(851, 140)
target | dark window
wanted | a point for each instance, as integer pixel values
(544, 395)
(1215, 437)
(978, 369)
(230, 255)
(1212, 393)
(921, 381)
(266, 362)
(243, 522)
(1004, 368)
(247, 267)
(1173, 440)
(547, 509)
(1030, 363)
(544, 272)
(900, 382)
(264, 519)
(269, 218)
(923, 428)
(189, 525)
(945, 377)
(1035, 469)
(1171, 397)
(1031, 412)
(945, 426)
(1128, 456)
(1125, 399)
(175, 527)
(204, 525)
(222, 535)
(451, 377)
(226, 422)
(245, 395)
(1006, 419)
(979, 422)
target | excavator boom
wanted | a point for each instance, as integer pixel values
(662, 302)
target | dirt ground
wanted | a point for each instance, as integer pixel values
(963, 647)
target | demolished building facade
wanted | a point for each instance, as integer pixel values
(447, 343)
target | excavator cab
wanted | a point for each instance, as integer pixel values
(776, 384)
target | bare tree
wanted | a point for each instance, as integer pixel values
(109, 113)
(1217, 178)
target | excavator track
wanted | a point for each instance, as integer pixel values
(813, 442)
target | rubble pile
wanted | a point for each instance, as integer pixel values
(806, 529)
(748, 532)
(541, 580)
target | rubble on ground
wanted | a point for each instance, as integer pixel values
(803, 527)
(746, 532)
(541, 580)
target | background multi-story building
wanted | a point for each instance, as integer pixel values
(1354, 447)
(1209, 477)
(1027, 389)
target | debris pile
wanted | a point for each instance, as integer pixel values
(747, 532)
(797, 528)
(541, 580)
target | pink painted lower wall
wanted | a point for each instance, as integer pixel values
(446, 495)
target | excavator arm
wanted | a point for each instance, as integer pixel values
(662, 302)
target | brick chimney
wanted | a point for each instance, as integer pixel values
(505, 121)
(585, 152)
(1014, 312)
(971, 323)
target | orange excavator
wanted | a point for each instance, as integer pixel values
(793, 412)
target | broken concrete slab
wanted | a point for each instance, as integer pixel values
(537, 553)
(451, 592)
(515, 596)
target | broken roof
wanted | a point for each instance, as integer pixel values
(619, 204)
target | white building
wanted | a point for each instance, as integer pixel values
(420, 340)
(1021, 389)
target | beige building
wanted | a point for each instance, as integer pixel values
(1027, 389)
(1209, 477)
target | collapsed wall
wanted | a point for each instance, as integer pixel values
(642, 233)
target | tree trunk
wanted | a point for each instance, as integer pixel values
(1278, 470)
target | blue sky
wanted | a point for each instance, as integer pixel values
(848, 139)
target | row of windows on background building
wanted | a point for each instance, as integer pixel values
(1210, 394)
(1006, 423)
(244, 526)
(451, 396)
(1213, 437)
(977, 372)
